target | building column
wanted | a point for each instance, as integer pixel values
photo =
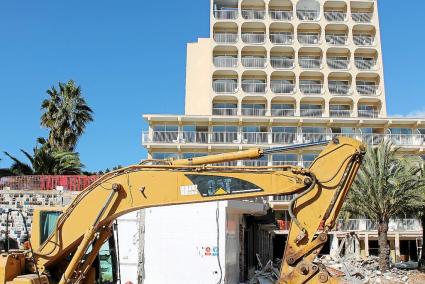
(397, 246)
(366, 245)
(334, 246)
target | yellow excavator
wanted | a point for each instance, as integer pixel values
(70, 252)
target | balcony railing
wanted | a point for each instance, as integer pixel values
(363, 40)
(225, 86)
(253, 112)
(311, 89)
(361, 17)
(165, 136)
(224, 137)
(336, 39)
(225, 61)
(368, 113)
(367, 90)
(335, 16)
(254, 137)
(339, 89)
(281, 15)
(283, 112)
(308, 38)
(250, 163)
(284, 138)
(310, 63)
(225, 37)
(311, 112)
(339, 64)
(314, 137)
(254, 38)
(253, 14)
(282, 87)
(254, 61)
(284, 198)
(372, 225)
(282, 63)
(254, 87)
(340, 113)
(225, 111)
(308, 15)
(194, 137)
(230, 14)
(365, 64)
(281, 37)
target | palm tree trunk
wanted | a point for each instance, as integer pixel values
(384, 250)
(422, 260)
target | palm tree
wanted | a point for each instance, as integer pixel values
(386, 187)
(422, 216)
(66, 114)
(46, 161)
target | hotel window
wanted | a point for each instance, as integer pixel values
(162, 156)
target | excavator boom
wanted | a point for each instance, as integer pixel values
(86, 223)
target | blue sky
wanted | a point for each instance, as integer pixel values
(107, 47)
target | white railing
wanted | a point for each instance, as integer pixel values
(336, 39)
(281, 37)
(255, 137)
(308, 15)
(363, 40)
(284, 138)
(282, 87)
(365, 64)
(254, 87)
(253, 14)
(225, 86)
(165, 136)
(194, 137)
(339, 89)
(230, 14)
(254, 163)
(282, 63)
(340, 113)
(367, 90)
(335, 16)
(372, 225)
(311, 112)
(254, 61)
(253, 112)
(253, 37)
(368, 113)
(221, 37)
(314, 137)
(361, 17)
(224, 137)
(281, 15)
(285, 198)
(225, 61)
(225, 111)
(308, 38)
(310, 63)
(311, 89)
(283, 112)
(334, 63)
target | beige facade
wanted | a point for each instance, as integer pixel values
(280, 72)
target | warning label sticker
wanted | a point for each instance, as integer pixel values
(189, 189)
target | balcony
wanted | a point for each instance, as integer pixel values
(254, 86)
(225, 111)
(225, 61)
(314, 137)
(340, 113)
(281, 15)
(254, 37)
(308, 15)
(335, 16)
(255, 163)
(253, 14)
(253, 111)
(340, 88)
(311, 88)
(367, 89)
(255, 137)
(284, 138)
(338, 63)
(308, 38)
(401, 225)
(363, 39)
(365, 63)
(284, 198)
(225, 86)
(225, 37)
(281, 37)
(283, 112)
(194, 137)
(282, 87)
(164, 137)
(282, 63)
(224, 137)
(362, 17)
(311, 112)
(308, 62)
(226, 14)
(368, 113)
(254, 61)
(336, 39)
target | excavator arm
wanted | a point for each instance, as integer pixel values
(319, 191)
